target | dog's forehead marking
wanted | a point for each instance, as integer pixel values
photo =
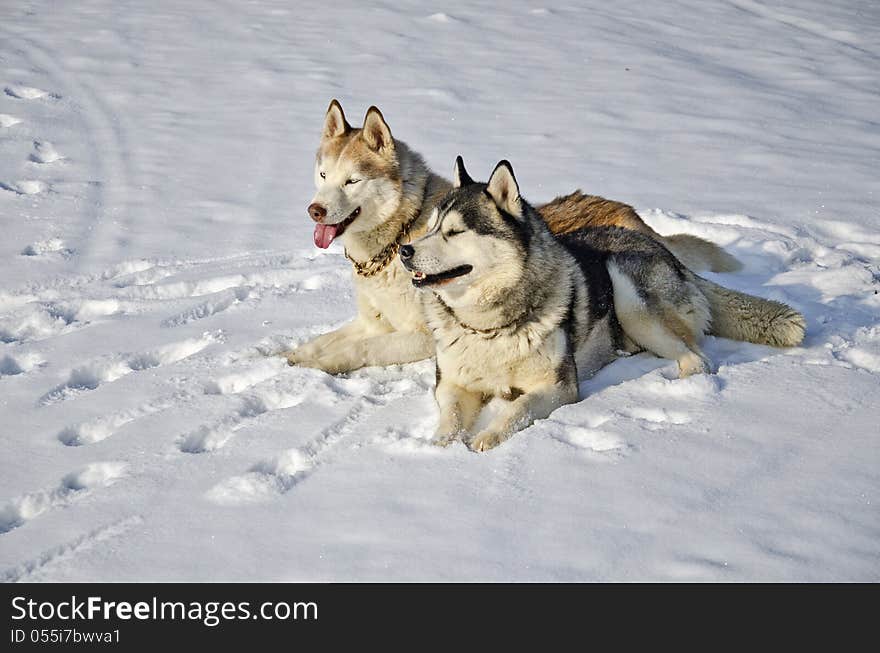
(445, 216)
(351, 153)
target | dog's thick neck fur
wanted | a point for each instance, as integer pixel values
(416, 194)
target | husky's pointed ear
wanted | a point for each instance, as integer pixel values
(460, 176)
(504, 189)
(376, 132)
(335, 123)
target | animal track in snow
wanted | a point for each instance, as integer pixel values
(13, 365)
(30, 323)
(90, 377)
(863, 352)
(212, 437)
(22, 509)
(276, 395)
(593, 439)
(25, 187)
(282, 278)
(236, 382)
(278, 474)
(35, 569)
(101, 428)
(40, 321)
(418, 440)
(440, 18)
(22, 92)
(8, 121)
(48, 246)
(265, 480)
(697, 386)
(44, 152)
(655, 417)
(226, 300)
(183, 289)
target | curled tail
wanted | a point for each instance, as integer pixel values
(698, 254)
(739, 316)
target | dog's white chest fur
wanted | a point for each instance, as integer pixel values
(499, 363)
(391, 295)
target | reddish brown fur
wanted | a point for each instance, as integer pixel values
(575, 211)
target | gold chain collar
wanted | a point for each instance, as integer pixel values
(381, 260)
(492, 332)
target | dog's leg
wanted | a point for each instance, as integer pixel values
(459, 410)
(356, 349)
(667, 337)
(664, 330)
(395, 348)
(522, 411)
(321, 348)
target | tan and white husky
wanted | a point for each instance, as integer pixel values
(375, 194)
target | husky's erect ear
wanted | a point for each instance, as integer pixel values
(504, 189)
(335, 123)
(460, 176)
(376, 132)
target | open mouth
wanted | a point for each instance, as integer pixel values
(327, 233)
(420, 279)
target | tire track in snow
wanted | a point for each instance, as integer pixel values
(102, 128)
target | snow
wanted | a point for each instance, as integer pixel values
(155, 165)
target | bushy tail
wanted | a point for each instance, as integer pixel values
(699, 254)
(739, 316)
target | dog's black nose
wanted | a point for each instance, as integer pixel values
(407, 251)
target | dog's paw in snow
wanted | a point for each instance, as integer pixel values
(693, 363)
(305, 357)
(486, 440)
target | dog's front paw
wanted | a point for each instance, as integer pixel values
(306, 357)
(292, 356)
(693, 363)
(485, 441)
(303, 356)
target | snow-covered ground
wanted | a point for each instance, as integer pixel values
(155, 165)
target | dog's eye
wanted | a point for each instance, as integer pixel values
(323, 175)
(454, 232)
(349, 182)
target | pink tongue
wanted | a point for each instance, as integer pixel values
(324, 234)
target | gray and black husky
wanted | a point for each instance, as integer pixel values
(521, 314)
